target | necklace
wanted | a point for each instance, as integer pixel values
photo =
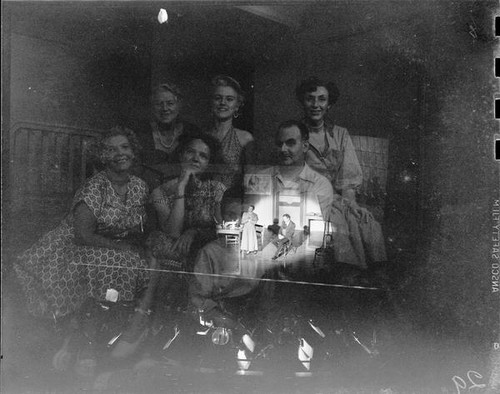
(317, 128)
(166, 141)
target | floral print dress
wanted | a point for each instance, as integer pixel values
(57, 275)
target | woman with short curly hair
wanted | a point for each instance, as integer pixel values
(159, 135)
(188, 206)
(95, 253)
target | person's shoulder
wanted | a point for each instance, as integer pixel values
(93, 186)
(319, 181)
(336, 130)
(97, 179)
(313, 175)
(136, 181)
(244, 137)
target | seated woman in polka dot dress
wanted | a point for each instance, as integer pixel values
(97, 246)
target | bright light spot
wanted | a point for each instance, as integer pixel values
(162, 16)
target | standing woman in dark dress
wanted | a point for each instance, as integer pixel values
(227, 99)
(159, 137)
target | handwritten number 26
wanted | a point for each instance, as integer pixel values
(461, 384)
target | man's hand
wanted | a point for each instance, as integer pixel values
(355, 208)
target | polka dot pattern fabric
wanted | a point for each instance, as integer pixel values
(58, 276)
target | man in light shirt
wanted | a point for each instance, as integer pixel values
(293, 177)
(293, 173)
(355, 234)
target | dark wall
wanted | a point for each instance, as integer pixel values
(78, 66)
(459, 179)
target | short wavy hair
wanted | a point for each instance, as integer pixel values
(123, 131)
(225, 80)
(310, 85)
(167, 87)
(96, 149)
(213, 145)
(304, 131)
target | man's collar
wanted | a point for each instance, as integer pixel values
(304, 175)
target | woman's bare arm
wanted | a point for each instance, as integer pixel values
(85, 224)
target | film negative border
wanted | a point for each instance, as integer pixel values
(496, 146)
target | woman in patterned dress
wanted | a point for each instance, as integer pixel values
(188, 206)
(249, 236)
(95, 253)
(227, 99)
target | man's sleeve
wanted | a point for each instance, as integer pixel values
(290, 230)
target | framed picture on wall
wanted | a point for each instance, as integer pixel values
(258, 184)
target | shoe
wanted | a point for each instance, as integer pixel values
(129, 342)
(86, 362)
(274, 258)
